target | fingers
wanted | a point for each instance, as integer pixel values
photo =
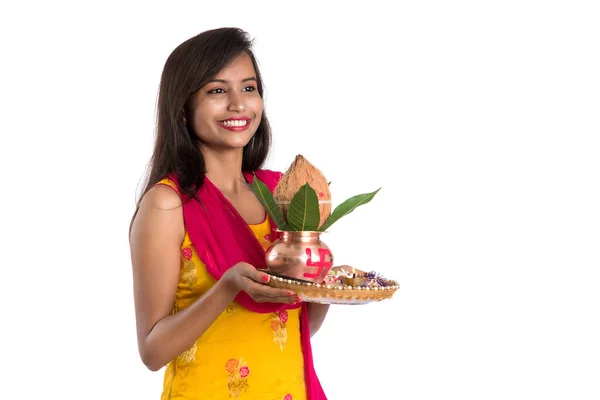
(262, 293)
(252, 273)
(262, 277)
(255, 284)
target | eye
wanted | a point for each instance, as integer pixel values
(249, 89)
(216, 91)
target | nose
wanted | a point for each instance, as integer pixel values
(236, 102)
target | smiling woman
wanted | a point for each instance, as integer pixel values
(199, 234)
(228, 103)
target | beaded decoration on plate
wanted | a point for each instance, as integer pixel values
(342, 288)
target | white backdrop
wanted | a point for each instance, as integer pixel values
(480, 120)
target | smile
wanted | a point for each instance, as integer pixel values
(236, 124)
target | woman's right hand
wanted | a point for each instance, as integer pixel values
(243, 276)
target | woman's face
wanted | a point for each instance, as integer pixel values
(226, 112)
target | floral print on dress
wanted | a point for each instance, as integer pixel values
(238, 377)
(288, 397)
(279, 329)
(188, 272)
(188, 356)
(187, 253)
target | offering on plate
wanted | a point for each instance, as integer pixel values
(300, 205)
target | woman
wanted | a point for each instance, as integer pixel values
(199, 234)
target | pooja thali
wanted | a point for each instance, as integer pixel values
(299, 202)
(343, 290)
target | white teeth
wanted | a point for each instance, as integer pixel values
(235, 122)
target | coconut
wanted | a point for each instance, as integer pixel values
(297, 175)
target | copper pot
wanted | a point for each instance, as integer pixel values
(300, 255)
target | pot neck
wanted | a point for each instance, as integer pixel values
(300, 235)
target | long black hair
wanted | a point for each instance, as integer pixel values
(189, 67)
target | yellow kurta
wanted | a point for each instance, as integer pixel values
(243, 355)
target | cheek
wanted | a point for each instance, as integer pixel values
(257, 106)
(200, 122)
(256, 122)
(205, 114)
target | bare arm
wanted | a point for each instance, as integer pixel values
(156, 238)
(316, 316)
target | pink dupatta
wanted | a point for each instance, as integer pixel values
(222, 238)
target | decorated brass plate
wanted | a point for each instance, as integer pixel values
(344, 291)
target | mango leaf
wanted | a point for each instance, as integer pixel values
(347, 207)
(262, 192)
(303, 214)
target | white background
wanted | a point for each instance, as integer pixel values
(479, 119)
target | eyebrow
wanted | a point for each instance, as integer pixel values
(252, 78)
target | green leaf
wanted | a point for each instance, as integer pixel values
(303, 214)
(347, 207)
(264, 195)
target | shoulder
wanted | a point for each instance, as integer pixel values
(164, 195)
(160, 214)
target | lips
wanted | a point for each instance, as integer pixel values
(235, 124)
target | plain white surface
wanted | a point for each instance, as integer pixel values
(479, 120)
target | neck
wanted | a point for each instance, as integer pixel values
(224, 170)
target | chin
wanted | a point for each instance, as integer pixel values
(235, 145)
(231, 141)
(239, 142)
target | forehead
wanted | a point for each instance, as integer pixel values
(239, 68)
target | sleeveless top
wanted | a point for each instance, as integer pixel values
(243, 355)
